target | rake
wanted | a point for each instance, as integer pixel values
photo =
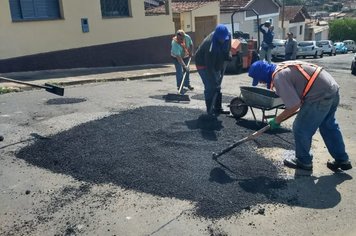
(179, 96)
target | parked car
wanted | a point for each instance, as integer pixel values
(278, 52)
(350, 45)
(353, 65)
(340, 47)
(309, 49)
(327, 46)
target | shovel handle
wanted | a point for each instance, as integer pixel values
(25, 83)
(183, 79)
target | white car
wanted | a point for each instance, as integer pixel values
(278, 52)
(327, 46)
(309, 49)
(350, 45)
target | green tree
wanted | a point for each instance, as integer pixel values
(342, 29)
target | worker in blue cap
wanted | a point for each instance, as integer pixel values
(267, 42)
(210, 60)
(261, 72)
(314, 92)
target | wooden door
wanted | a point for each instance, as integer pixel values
(203, 27)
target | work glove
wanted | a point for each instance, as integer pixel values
(273, 124)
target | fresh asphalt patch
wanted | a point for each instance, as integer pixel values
(167, 151)
(62, 101)
(225, 98)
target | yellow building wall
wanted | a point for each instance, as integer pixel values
(33, 37)
(211, 9)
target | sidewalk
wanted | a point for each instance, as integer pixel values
(74, 76)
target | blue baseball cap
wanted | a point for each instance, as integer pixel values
(221, 32)
(261, 71)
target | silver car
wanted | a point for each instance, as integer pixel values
(309, 49)
(278, 52)
(327, 46)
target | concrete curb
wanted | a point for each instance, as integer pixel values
(123, 74)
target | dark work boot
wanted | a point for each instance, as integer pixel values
(296, 164)
(1, 138)
(218, 105)
(335, 165)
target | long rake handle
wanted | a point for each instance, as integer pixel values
(250, 137)
(183, 79)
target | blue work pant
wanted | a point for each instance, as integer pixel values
(314, 115)
(212, 87)
(180, 72)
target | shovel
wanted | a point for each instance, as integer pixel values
(49, 87)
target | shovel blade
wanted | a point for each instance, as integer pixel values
(54, 89)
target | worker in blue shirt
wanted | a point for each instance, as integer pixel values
(267, 45)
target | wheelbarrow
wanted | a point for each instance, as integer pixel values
(256, 98)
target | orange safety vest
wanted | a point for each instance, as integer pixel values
(182, 44)
(309, 78)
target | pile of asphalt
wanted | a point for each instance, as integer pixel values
(167, 151)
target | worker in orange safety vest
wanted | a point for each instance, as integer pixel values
(314, 92)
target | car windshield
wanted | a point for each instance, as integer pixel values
(321, 43)
(305, 44)
(339, 44)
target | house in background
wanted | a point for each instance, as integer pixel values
(316, 30)
(294, 21)
(56, 34)
(246, 21)
(197, 18)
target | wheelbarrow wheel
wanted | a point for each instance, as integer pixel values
(238, 107)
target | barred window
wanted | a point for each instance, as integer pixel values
(115, 8)
(22, 10)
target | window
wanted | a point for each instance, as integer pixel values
(34, 9)
(300, 30)
(115, 8)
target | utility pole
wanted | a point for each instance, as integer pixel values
(283, 29)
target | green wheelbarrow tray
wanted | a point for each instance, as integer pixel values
(255, 97)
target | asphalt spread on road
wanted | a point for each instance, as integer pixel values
(167, 151)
